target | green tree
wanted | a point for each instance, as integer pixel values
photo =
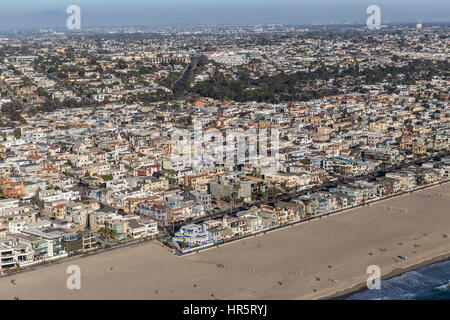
(107, 177)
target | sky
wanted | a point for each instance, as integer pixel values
(18, 13)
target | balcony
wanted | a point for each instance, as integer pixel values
(7, 254)
(7, 261)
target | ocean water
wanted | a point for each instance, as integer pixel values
(428, 283)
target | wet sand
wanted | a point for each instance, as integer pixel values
(283, 264)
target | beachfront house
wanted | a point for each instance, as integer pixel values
(287, 211)
(142, 228)
(13, 253)
(236, 225)
(253, 222)
(214, 235)
(192, 235)
(355, 195)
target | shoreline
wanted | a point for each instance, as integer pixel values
(369, 203)
(277, 266)
(195, 251)
(361, 287)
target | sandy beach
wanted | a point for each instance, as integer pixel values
(284, 264)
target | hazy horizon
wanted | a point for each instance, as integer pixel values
(98, 13)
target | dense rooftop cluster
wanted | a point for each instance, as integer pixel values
(88, 121)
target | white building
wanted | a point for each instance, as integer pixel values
(13, 254)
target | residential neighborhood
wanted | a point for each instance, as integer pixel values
(92, 156)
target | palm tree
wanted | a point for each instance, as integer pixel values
(234, 196)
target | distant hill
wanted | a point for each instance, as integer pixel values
(44, 19)
(56, 19)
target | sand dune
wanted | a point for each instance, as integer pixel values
(279, 265)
